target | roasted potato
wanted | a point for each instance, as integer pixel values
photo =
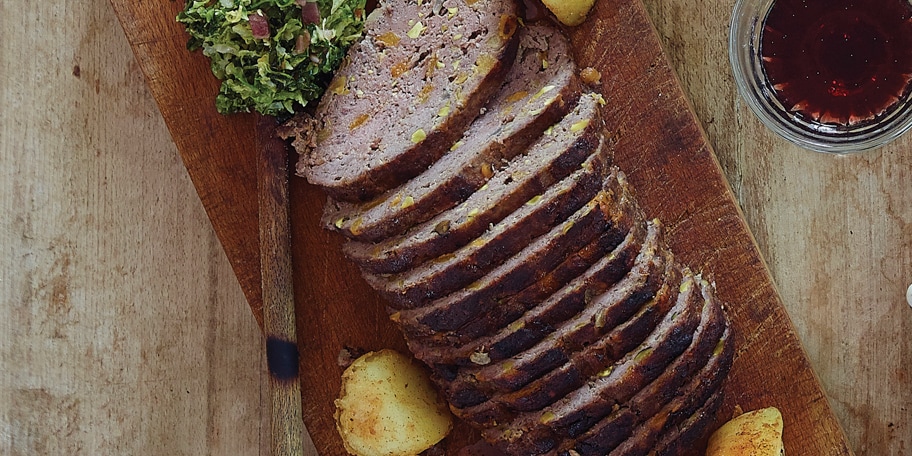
(388, 407)
(756, 433)
(569, 12)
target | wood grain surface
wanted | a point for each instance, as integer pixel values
(124, 331)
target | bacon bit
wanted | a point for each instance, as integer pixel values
(310, 13)
(259, 26)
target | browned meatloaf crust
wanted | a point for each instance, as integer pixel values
(569, 303)
(686, 436)
(620, 259)
(540, 213)
(583, 346)
(541, 87)
(709, 341)
(518, 272)
(515, 323)
(406, 93)
(550, 159)
(577, 348)
(542, 431)
(591, 359)
(689, 400)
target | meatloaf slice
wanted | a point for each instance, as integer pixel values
(709, 339)
(689, 400)
(686, 436)
(540, 88)
(509, 310)
(551, 158)
(406, 92)
(560, 327)
(631, 260)
(537, 216)
(581, 348)
(499, 331)
(440, 310)
(575, 351)
(515, 274)
(541, 431)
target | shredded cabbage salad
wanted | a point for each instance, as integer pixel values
(272, 56)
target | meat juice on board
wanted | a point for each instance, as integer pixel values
(841, 62)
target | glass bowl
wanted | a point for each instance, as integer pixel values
(747, 23)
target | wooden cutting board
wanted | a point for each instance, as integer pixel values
(660, 145)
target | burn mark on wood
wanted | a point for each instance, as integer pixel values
(282, 358)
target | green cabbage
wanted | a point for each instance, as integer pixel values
(278, 74)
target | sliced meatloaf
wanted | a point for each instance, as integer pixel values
(515, 274)
(473, 180)
(574, 349)
(688, 402)
(537, 216)
(587, 342)
(686, 436)
(511, 309)
(406, 92)
(632, 260)
(591, 359)
(540, 88)
(550, 159)
(573, 304)
(709, 339)
(509, 325)
(542, 431)
(433, 306)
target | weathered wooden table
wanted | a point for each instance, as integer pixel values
(123, 329)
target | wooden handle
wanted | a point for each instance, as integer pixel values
(278, 295)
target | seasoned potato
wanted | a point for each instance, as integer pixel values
(388, 407)
(757, 433)
(570, 12)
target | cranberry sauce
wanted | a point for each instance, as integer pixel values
(839, 62)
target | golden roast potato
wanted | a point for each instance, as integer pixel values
(756, 433)
(569, 12)
(388, 407)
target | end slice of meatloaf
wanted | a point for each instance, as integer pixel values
(551, 158)
(683, 410)
(540, 88)
(543, 430)
(709, 341)
(406, 92)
